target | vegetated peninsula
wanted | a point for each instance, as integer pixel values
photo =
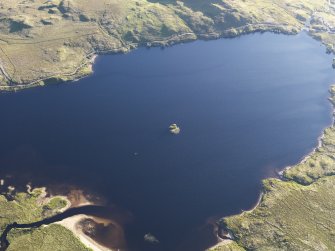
(33, 206)
(46, 41)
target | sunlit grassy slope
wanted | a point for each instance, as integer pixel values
(45, 41)
(49, 238)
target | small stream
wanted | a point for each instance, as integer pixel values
(90, 210)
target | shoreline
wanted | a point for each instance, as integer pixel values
(78, 207)
(229, 236)
(281, 177)
(73, 220)
(319, 140)
(90, 58)
(71, 223)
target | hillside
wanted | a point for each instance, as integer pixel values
(46, 41)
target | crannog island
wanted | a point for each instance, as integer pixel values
(49, 41)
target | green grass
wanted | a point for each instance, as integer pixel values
(227, 246)
(290, 217)
(27, 207)
(31, 207)
(50, 238)
(56, 203)
(41, 40)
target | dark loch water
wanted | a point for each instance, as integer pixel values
(247, 107)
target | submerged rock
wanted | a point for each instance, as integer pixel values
(174, 129)
(151, 238)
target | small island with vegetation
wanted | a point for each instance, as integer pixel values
(174, 129)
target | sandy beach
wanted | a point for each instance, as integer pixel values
(71, 223)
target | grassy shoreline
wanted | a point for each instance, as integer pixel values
(33, 206)
(85, 69)
(52, 42)
(294, 212)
